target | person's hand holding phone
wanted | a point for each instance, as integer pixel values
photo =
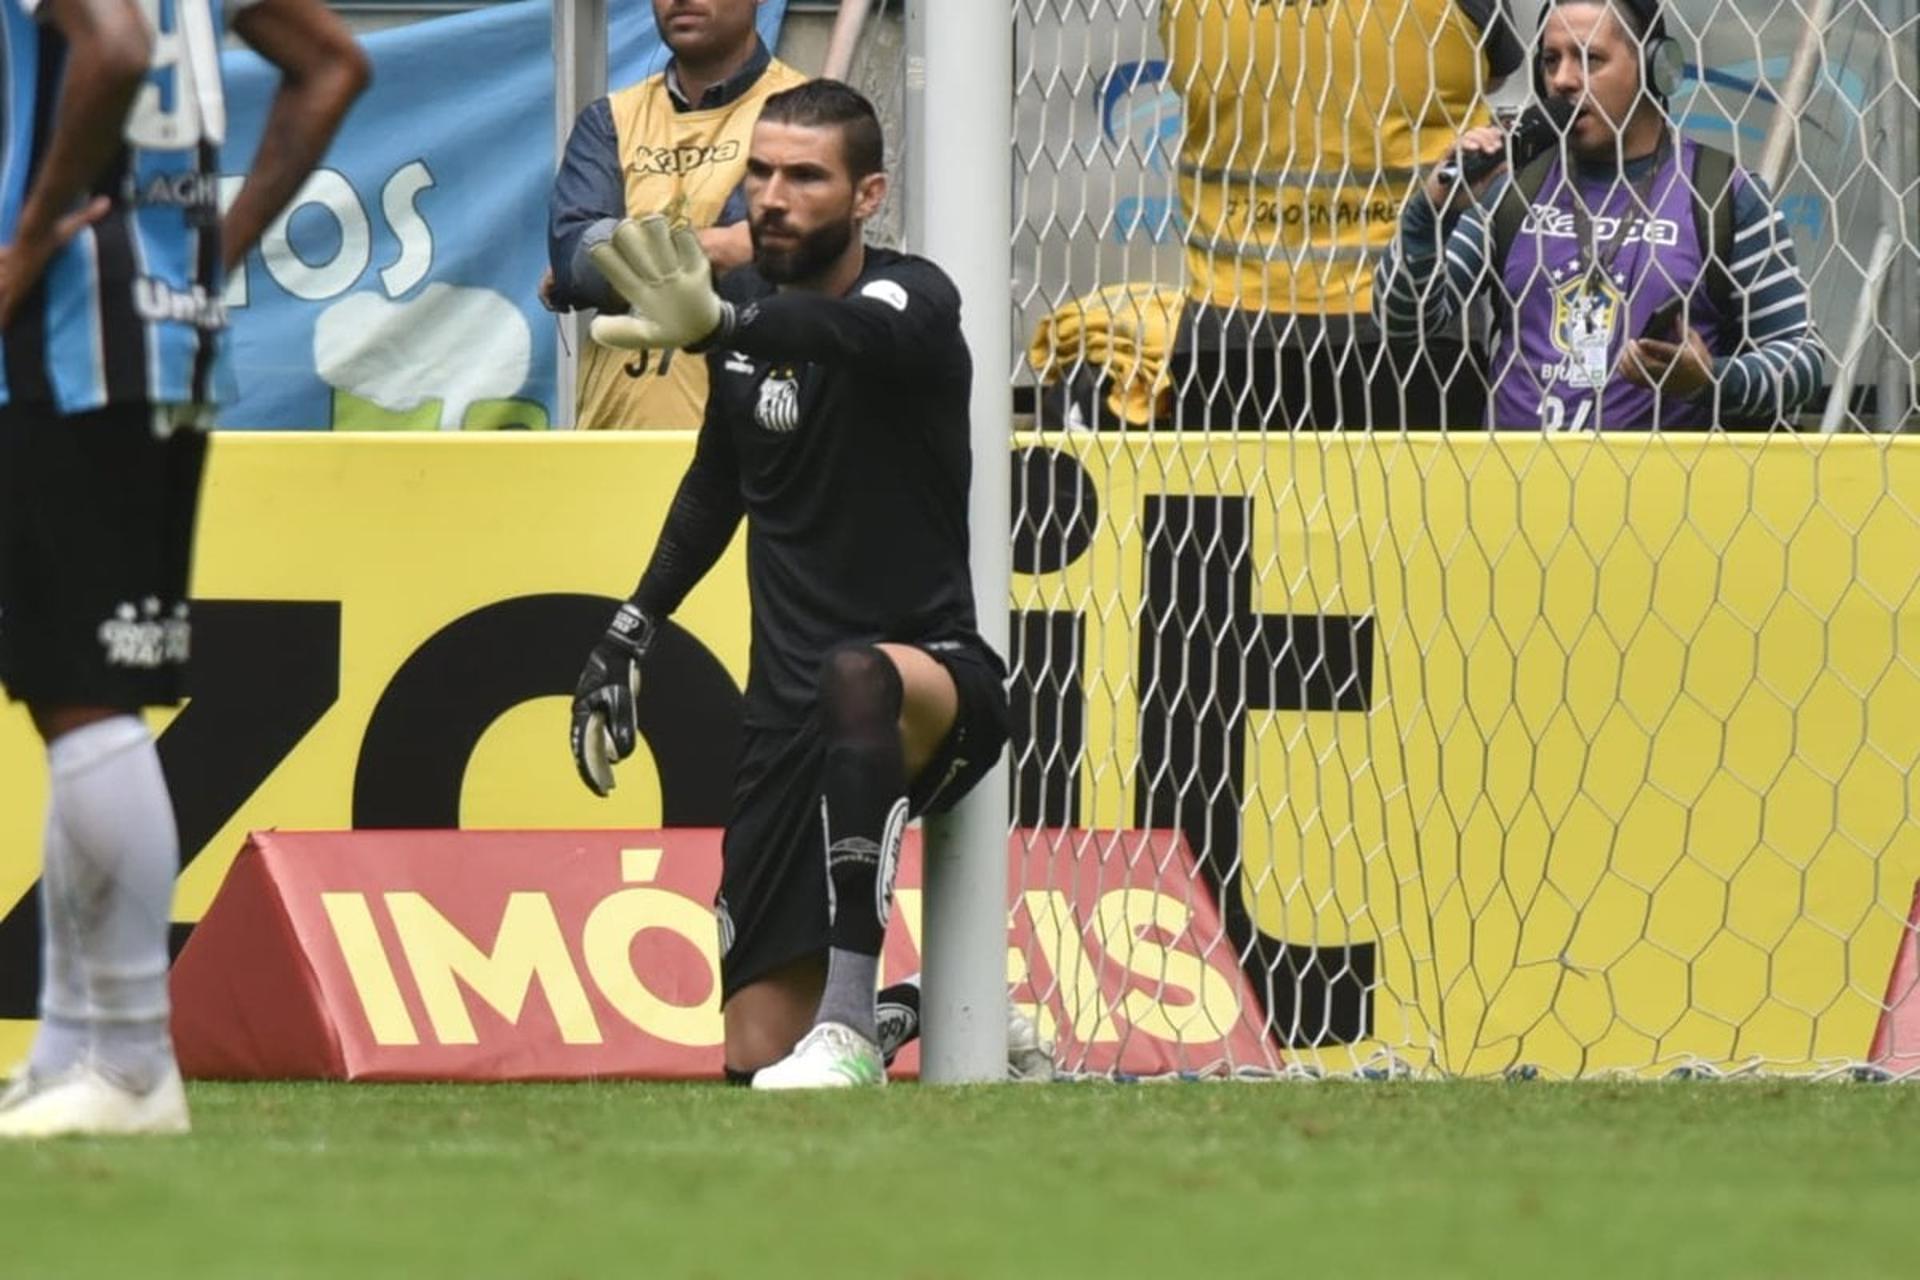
(1668, 356)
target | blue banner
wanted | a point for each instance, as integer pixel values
(399, 290)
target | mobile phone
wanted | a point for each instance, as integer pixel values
(1664, 324)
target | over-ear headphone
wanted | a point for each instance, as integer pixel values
(1662, 62)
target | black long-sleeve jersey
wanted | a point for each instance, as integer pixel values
(838, 427)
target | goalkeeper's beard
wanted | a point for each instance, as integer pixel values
(806, 258)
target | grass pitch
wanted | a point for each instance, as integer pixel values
(1726, 1179)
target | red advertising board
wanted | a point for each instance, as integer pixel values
(521, 955)
(1896, 1040)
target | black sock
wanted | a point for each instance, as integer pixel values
(898, 1016)
(863, 814)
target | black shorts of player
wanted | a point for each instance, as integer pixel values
(772, 906)
(96, 541)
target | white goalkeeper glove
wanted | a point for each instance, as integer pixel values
(664, 276)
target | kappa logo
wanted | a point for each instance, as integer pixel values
(895, 1023)
(779, 407)
(1558, 224)
(684, 158)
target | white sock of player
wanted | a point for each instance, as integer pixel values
(117, 864)
(61, 1040)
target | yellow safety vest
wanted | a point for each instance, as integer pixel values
(1307, 125)
(685, 160)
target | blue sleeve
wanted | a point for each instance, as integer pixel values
(735, 209)
(589, 199)
(1431, 269)
(1776, 366)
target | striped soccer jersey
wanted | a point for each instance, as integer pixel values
(129, 311)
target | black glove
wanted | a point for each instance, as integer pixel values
(605, 725)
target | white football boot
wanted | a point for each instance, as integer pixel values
(17, 1087)
(82, 1101)
(1029, 1058)
(831, 1056)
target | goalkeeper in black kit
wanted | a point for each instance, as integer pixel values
(837, 425)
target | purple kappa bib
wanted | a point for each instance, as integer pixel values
(1555, 351)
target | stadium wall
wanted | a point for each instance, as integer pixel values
(1588, 754)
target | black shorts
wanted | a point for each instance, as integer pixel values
(96, 541)
(772, 906)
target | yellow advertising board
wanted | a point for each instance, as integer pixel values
(352, 554)
(1583, 753)
(1629, 780)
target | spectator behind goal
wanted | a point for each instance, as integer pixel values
(1305, 125)
(675, 142)
(1658, 288)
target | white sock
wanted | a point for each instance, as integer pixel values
(119, 858)
(61, 1039)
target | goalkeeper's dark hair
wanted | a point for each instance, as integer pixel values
(819, 103)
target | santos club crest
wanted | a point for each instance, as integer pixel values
(779, 407)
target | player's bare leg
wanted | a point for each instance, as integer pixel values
(929, 704)
(765, 1019)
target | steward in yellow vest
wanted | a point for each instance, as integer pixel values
(1307, 122)
(666, 144)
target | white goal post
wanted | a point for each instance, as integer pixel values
(964, 205)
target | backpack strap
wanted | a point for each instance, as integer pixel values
(1515, 203)
(1713, 172)
(1713, 224)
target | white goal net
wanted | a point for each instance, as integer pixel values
(1448, 752)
